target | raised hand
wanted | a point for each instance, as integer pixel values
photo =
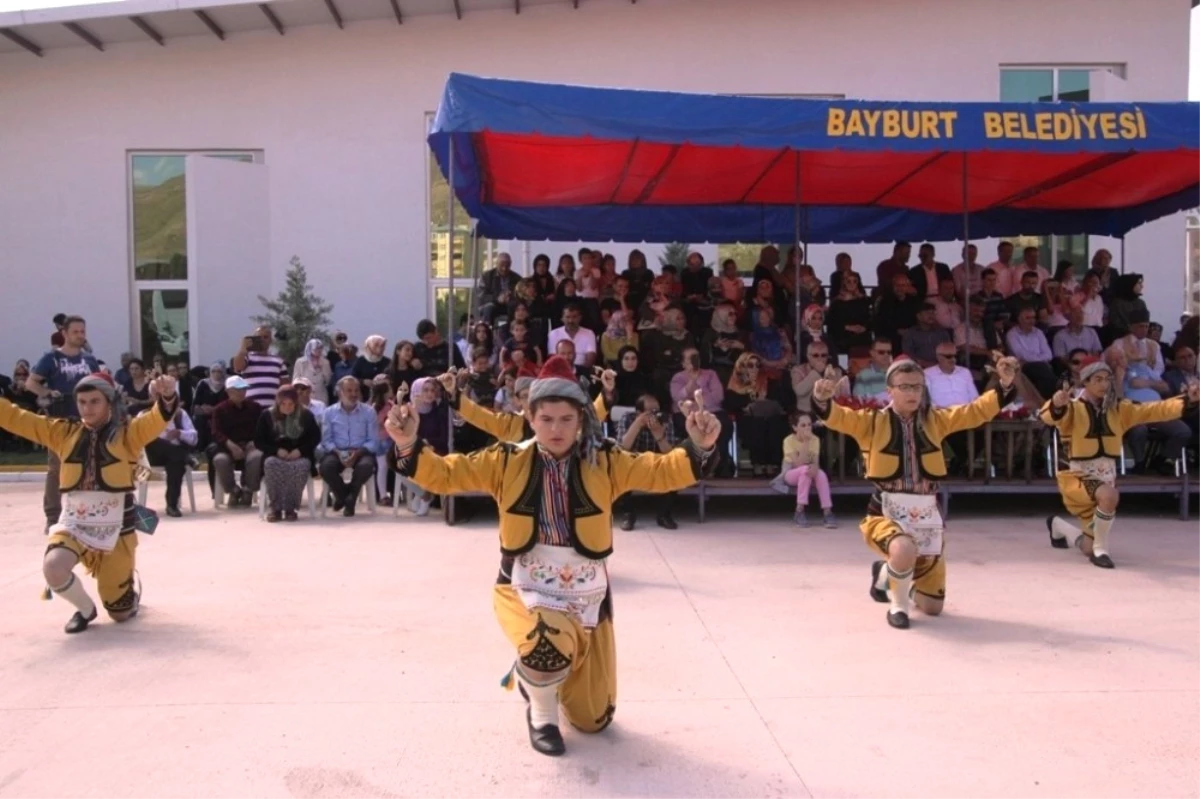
(401, 425)
(608, 379)
(702, 427)
(824, 389)
(1193, 391)
(164, 386)
(1062, 397)
(449, 381)
(1006, 369)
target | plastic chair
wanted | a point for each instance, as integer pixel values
(161, 474)
(367, 492)
(264, 500)
(219, 490)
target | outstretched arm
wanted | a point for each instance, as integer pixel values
(504, 426)
(656, 473)
(50, 433)
(453, 474)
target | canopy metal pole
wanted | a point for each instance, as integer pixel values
(450, 345)
(1122, 255)
(796, 276)
(966, 260)
(471, 309)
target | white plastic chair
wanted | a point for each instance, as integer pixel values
(219, 497)
(264, 500)
(161, 474)
(367, 493)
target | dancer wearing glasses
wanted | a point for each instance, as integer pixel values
(902, 445)
(1092, 421)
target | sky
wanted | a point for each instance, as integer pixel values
(1193, 55)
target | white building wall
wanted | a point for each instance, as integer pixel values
(340, 116)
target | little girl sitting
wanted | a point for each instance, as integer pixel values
(802, 468)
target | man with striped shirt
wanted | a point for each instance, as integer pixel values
(264, 372)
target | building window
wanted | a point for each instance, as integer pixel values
(1047, 84)
(158, 248)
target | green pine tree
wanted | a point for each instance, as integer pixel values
(296, 315)
(676, 254)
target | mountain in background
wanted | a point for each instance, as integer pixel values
(160, 221)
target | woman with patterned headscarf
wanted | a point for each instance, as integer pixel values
(314, 366)
(761, 419)
(287, 435)
(371, 362)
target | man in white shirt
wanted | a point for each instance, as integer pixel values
(949, 313)
(968, 275)
(304, 392)
(1004, 252)
(171, 451)
(1009, 282)
(584, 339)
(948, 385)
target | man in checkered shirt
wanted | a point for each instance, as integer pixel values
(649, 429)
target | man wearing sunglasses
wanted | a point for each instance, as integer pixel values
(902, 445)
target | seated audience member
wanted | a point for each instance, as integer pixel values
(481, 384)
(648, 429)
(928, 274)
(1183, 372)
(234, 423)
(209, 393)
(871, 380)
(619, 332)
(801, 468)
(304, 395)
(137, 392)
(1064, 276)
(948, 385)
(349, 440)
(1058, 304)
(1126, 300)
(631, 381)
(483, 338)
(1139, 383)
(121, 376)
(1028, 344)
(496, 287)
(948, 311)
(1075, 336)
(849, 318)
(434, 428)
(432, 351)
(1027, 296)
(723, 342)
(843, 265)
(314, 367)
(971, 341)
(968, 275)
(769, 343)
(811, 286)
(404, 368)
(805, 376)
(761, 418)
(1090, 299)
(694, 292)
(520, 351)
(920, 342)
(684, 385)
(995, 309)
(1138, 347)
(582, 339)
(812, 328)
(172, 451)
(347, 357)
(896, 309)
(663, 348)
(733, 290)
(287, 434)
(1010, 282)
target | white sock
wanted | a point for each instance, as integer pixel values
(543, 702)
(1101, 526)
(901, 589)
(75, 593)
(881, 582)
(1061, 528)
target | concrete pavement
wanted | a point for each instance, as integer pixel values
(359, 658)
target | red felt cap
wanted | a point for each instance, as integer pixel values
(556, 366)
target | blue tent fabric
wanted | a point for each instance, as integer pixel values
(482, 115)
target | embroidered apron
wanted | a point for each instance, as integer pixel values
(919, 517)
(94, 518)
(561, 579)
(1103, 470)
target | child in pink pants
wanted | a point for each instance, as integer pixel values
(802, 469)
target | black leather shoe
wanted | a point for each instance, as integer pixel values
(274, 516)
(898, 619)
(877, 594)
(1057, 543)
(79, 623)
(290, 516)
(338, 504)
(628, 522)
(667, 523)
(545, 740)
(173, 512)
(348, 511)
(1103, 561)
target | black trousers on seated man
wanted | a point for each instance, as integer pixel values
(174, 459)
(331, 472)
(665, 503)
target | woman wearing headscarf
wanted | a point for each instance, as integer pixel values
(631, 381)
(287, 435)
(434, 430)
(762, 423)
(371, 362)
(210, 392)
(1126, 299)
(812, 328)
(618, 334)
(382, 401)
(849, 318)
(316, 367)
(723, 343)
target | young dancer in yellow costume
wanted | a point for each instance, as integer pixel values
(555, 495)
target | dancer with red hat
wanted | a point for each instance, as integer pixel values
(555, 494)
(1092, 425)
(902, 445)
(99, 453)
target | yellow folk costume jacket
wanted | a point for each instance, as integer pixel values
(1090, 434)
(879, 436)
(512, 475)
(508, 426)
(70, 440)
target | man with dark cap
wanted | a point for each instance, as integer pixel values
(555, 494)
(99, 453)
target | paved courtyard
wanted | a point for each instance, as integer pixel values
(359, 658)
